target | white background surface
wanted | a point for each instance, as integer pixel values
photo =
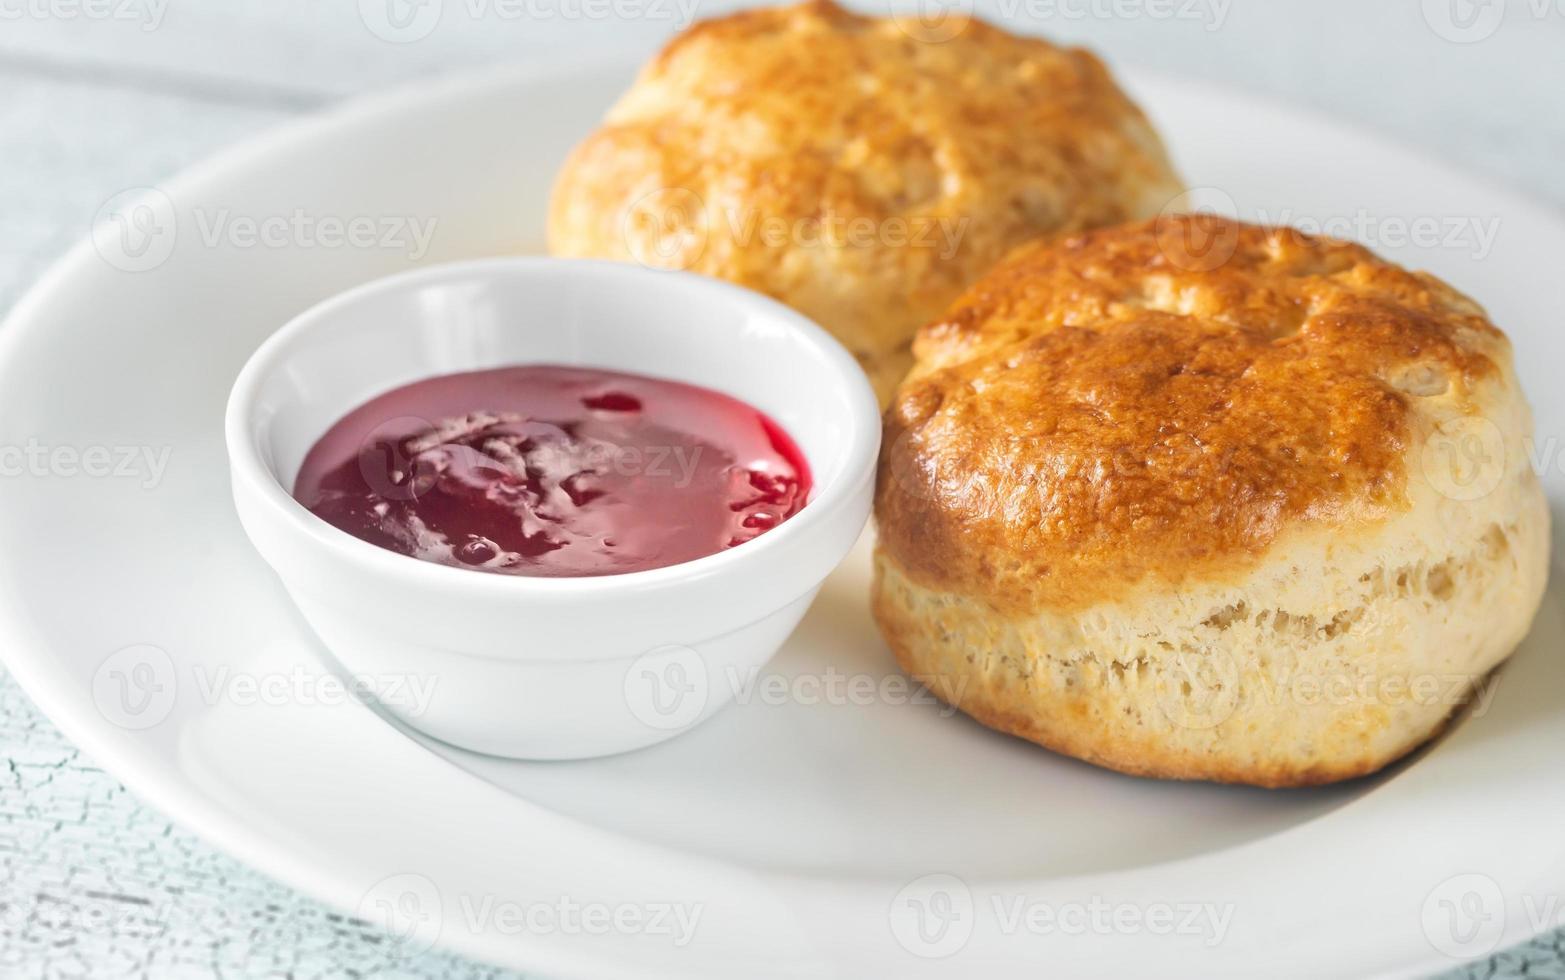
(93, 884)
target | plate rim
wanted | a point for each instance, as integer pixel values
(208, 818)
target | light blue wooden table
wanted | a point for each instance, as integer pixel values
(98, 98)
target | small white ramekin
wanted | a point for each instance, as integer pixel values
(551, 668)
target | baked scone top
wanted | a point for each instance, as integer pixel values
(900, 168)
(1165, 399)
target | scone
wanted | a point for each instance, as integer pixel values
(1202, 500)
(863, 173)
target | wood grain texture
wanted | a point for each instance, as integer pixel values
(93, 884)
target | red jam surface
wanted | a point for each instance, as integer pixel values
(554, 471)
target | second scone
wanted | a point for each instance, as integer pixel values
(856, 168)
(1205, 500)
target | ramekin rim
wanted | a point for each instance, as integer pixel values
(246, 462)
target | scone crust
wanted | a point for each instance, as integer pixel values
(1264, 514)
(1112, 408)
(844, 166)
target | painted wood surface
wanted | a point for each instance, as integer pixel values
(92, 884)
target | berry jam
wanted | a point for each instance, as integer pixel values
(554, 471)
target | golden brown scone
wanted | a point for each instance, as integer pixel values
(1202, 500)
(848, 168)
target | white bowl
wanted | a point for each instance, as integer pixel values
(551, 668)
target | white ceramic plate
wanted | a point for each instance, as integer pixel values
(824, 827)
